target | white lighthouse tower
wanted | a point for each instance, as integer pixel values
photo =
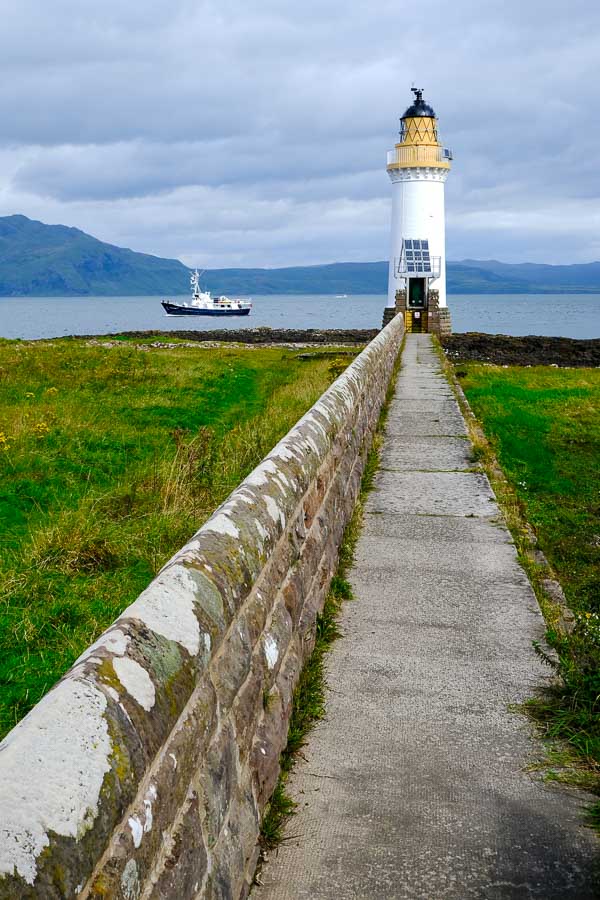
(418, 167)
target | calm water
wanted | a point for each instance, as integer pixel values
(566, 315)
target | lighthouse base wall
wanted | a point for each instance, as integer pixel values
(434, 319)
(444, 325)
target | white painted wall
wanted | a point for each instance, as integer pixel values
(418, 212)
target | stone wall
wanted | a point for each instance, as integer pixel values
(439, 316)
(433, 319)
(145, 771)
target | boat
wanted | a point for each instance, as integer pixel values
(204, 305)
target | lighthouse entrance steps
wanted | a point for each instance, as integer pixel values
(416, 785)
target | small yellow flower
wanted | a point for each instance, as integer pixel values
(29, 395)
(41, 429)
(4, 444)
(51, 391)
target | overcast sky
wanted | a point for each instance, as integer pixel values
(231, 133)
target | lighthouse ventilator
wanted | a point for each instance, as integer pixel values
(418, 167)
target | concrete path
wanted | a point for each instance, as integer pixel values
(416, 784)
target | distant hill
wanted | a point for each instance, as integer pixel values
(55, 261)
(466, 277)
(472, 276)
(332, 278)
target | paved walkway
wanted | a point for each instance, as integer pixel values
(415, 786)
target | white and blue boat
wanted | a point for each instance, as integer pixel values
(204, 305)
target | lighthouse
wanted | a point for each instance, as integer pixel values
(418, 167)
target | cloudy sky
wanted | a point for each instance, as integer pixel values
(231, 133)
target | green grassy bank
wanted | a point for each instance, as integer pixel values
(110, 459)
(544, 427)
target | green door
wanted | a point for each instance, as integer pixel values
(416, 293)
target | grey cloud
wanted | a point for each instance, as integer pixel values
(141, 168)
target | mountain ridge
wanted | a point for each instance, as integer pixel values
(59, 260)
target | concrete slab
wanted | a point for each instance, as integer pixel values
(442, 601)
(440, 529)
(429, 407)
(416, 785)
(424, 423)
(433, 494)
(427, 453)
(414, 390)
(402, 552)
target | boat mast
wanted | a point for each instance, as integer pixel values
(195, 283)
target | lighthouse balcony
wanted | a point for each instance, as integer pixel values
(429, 267)
(412, 156)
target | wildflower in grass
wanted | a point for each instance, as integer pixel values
(41, 429)
(51, 391)
(4, 444)
(29, 395)
(587, 627)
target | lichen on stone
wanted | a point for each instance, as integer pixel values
(167, 607)
(271, 651)
(135, 680)
(64, 747)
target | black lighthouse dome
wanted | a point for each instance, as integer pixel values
(419, 107)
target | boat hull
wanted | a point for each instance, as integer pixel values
(172, 309)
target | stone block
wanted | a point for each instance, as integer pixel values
(230, 667)
(218, 780)
(271, 738)
(248, 706)
(184, 864)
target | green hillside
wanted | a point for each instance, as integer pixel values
(524, 278)
(333, 278)
(56, 261)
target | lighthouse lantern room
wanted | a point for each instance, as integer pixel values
(418, 167)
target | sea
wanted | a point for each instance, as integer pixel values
(563, 315)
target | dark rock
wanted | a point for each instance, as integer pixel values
(533, 350)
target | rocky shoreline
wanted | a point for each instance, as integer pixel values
(532, 350)
(499, 349)
(252, 335)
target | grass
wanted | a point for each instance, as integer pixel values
(543, 425)
(309, 700)
(110, 459)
